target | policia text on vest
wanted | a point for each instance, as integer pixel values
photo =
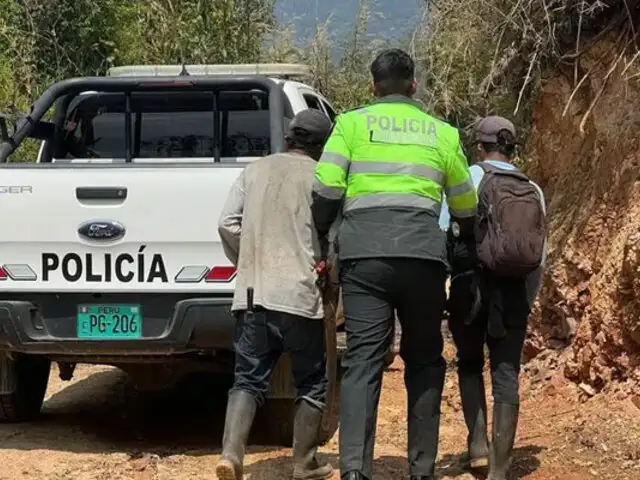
(386, 167)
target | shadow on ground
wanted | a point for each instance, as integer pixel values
(384, 468)
(103, 413)
(525, 462)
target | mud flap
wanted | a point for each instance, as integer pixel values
(8, 383)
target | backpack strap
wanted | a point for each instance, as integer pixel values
(488, 168)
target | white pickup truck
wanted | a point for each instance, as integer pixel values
(109, 245)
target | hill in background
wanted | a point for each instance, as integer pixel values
(390, 19)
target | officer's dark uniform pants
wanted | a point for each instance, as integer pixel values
(260, 342)
(371, 290)
(505, 352)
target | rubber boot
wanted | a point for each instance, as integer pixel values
(306, 429)
(423, 417)
(474, 408)
(241, 408)
(505, 422)
(353, 476)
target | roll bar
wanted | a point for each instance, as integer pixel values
(26, 125)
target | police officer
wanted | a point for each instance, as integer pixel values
(267, 230)
(385, 166)
(479, 300)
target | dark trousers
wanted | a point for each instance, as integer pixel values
(371, 290)
(260, 342)
(504, 353)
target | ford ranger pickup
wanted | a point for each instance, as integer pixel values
(109, 248)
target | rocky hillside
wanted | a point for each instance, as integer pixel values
(587, 160)
(568, 73)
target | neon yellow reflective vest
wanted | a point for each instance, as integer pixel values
(387, 165)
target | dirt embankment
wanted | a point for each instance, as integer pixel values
(588, 163)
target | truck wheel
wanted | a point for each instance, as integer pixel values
(273, 424)
(26, 378)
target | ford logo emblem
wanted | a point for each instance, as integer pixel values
(101, 230)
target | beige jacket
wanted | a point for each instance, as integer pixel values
(267, 231)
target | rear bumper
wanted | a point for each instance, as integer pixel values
(173, 326)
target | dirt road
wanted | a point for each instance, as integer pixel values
(95, 428)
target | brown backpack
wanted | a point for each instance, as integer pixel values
(510, 225)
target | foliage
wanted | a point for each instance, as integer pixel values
(42, 41)
(196, 31)
(474, 57)
(483, 57)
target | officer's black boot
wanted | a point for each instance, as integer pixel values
(424, 392)
(505, 422)
(241, 408)
(306, 428)
(474, 408)
(353, 476)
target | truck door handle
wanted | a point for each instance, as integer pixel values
(101, 193)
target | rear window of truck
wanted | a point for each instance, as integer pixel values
(166, 125)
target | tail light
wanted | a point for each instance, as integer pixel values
(214, 274)
(18, 272)
(221, 274)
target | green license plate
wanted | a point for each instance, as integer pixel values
(109, 322)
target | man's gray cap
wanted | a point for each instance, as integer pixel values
(310, 127)
(487, 129)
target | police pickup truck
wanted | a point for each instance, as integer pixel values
(109, 245)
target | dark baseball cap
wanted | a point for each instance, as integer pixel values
(487, 129)
(310, 127)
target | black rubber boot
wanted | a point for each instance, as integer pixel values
(505, 423)
(306, 428)
(423, 414)
(353, 476)
(241, 408)
(474, 408)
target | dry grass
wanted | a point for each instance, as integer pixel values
(488, 56)
(474, 57)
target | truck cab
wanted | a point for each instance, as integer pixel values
(92, 117)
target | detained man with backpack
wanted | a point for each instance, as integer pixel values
(494, 281)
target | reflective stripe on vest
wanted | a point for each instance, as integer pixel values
(375, 200)
(397, 168)
(336, 159)
(396, 155)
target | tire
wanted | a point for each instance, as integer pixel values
(31, 374)
(273, 424)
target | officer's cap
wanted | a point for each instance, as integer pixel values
(310, 127)
(487, 129)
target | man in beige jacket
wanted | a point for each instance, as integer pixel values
(268, 232)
